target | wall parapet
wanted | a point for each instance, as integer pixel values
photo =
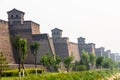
(40, 36)
(31, 22)
(3, 22)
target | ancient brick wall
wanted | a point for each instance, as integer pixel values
(61, 46)
(25, 31)
(46, 46)
(35, 28)
(74, 51)
(5, 45)
(31, 32)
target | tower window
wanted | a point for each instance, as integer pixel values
(11, 16)
(54, 33)
(16, 16)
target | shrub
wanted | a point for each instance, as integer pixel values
(81, 68)
(15, 72)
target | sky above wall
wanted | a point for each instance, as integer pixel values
(96, 20)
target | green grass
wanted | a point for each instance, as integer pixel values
(84, 75)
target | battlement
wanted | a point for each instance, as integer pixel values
(3, 22)
(30, 22)
(91, 44)
(73, 43)
(40, 36)
(61, 40)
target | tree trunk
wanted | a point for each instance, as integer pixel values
(0, 74)
(23, 70)
(35, 66)
(1, 70)
(68, 68)
(19, 69)
(45, 68)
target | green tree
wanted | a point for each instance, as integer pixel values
(56, 63)
(84, 59)
(118, 64)
(107, 63)
(34, 49)
(16, 45)
(3, 64)
(92, 59)
(46, 60)
(23, 48)
(50, 61)
(99, 62)
(75, 66)
(67, 62)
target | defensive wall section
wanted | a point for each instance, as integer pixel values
(57, 45)
(74, 51)
(61, 46)
(46, 46)
(5, 44)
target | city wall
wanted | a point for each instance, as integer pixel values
(5, 44)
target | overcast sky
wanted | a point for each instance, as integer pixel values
(96, 20)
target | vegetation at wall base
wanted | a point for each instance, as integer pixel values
(3, 64)
(83, 75)
(14, 73)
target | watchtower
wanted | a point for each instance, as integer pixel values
(81, 40)
(56, 33)
(15, 16)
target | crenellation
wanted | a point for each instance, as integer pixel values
(40, 36)
(35, 24)
(27, 22)
(62, 40)
(88, 47)
(3, 22)
(31, 22)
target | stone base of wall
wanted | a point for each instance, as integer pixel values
(15, 66)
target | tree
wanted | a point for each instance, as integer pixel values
(92, 59)
(107, 63)
(76, 64)
(118, 64)
(44, 60)
(23, 48)
(84, 59)
(34, 49)
(67, 62)
(50, 61)
(56, 63)
(16, 45)
(99, 62)
(3, 64)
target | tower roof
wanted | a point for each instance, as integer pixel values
(81, 38)
(56, 29)
(15, 10)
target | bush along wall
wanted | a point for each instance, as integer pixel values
(12, 73)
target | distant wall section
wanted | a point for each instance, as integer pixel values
(46, 46)
(74, 51)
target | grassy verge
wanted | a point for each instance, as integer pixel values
(84, 75)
